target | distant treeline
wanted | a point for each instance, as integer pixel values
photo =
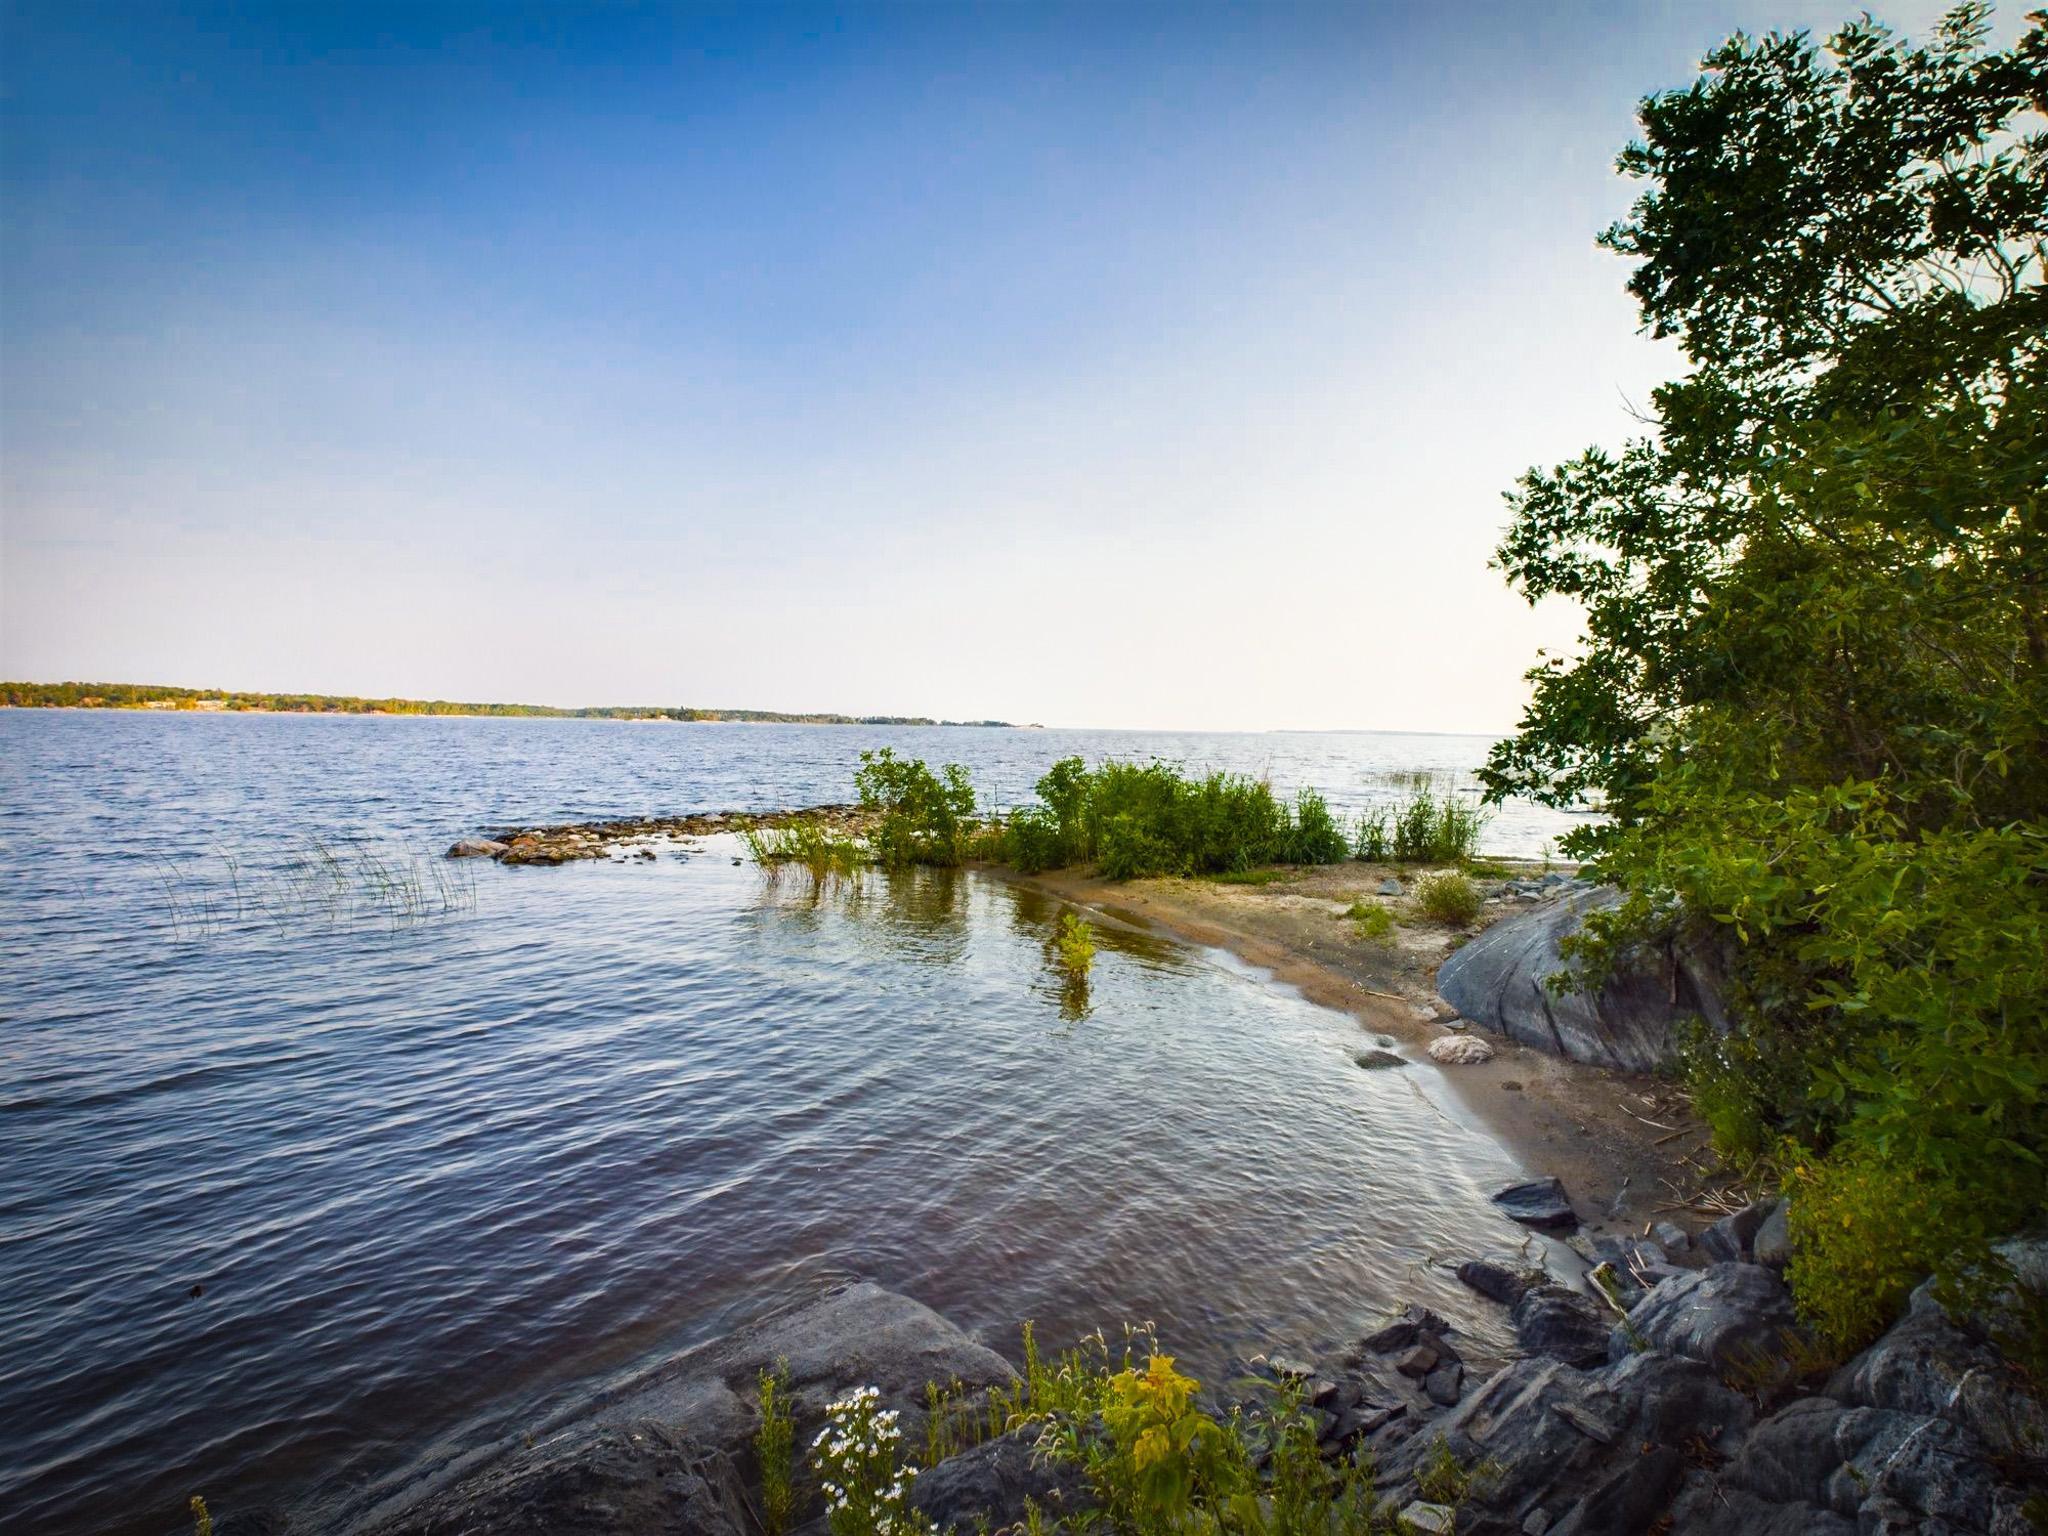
(145, 696)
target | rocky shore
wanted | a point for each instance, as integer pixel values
(1697, 1411)
(644, 837)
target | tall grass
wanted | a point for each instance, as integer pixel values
(827, 854)
(1431, 824)
(318, 882)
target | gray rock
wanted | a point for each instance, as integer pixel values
(1671, 1237)
(1772, 1245)
(1498, 981)
(1429, 1519)
(987, 1487)
(1736, 1318)
(476, 848)
(1927, 1366)
(1538, 1203)
(631, 1479)
(1446, 1384)
(1418, 1360)
(1378, 1061)
(1496, 1282)
(1729, 1239)
(1561, 1324)
(1390, 887)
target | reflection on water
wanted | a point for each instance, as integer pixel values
(430, 1179)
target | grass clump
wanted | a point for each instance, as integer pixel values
(1447, 897)
(1373, 921)
(1250, 876)
(1432, 824)
(774, 1443)
(827, 854)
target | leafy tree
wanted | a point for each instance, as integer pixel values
(1812, 687)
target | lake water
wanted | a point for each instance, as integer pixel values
(321, 1158)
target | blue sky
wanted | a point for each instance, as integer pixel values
(1110, 364)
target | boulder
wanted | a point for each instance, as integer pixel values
(1494, 1281)
(1772, 1245)
(1390, 887)
(627, 1479)
(1460, 1050)
(1378, 1061)
(1562, 1324)
(1736, 1318)
(1498, 981)
(476, 848)
(986, 1488)
(1729, 1239)
(1538, 1203)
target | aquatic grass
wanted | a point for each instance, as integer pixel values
(828, 854)
(342, 882)
(1075, 945)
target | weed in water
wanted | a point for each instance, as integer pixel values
(202, 1522)
(1076, 946)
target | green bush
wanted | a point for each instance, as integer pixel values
(1813, 694)
(1373, 921)
(924, 818)
(1447, 897)
(1314, 836)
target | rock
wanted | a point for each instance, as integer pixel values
(1416, 1325)
(1496, 1282)
(1418, 1360)
(986, 1488)
(1671, 1237)
(1729, 1239)
(629, 1479)
(1736, 1318)
(1429, 1519)
(1772, 1244)
(1390, 887)
(1561, 1324)
(1926, 1365)
(1498, 980)
(1538, 1203)
(1445, 1384)
(476, 848)
(1460, 1050)
(1378, 1061)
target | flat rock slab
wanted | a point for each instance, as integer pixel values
(1538, 1203)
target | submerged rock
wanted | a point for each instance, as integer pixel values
(1494, 1281)
(1538, 1203)
(1379, 1061)
(476, 848)
(1499, 981)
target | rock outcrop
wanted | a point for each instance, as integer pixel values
(1499, 982)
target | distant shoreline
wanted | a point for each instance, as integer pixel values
(145, 696)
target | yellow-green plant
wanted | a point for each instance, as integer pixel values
(1373, 921)
(1166, 1450)
(202, 1521)
(1076, 946)
(773, 1444)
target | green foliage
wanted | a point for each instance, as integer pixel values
(1374, 841)
(1434, 826)
(1812, 694)
(1075, 945)
(924, 817)
(1135, 820)
(202, 1521)
(774, 1444)
(1443, 1479)
(1373, 921)
(827, 854)
(1251, 876)
(1447, 897)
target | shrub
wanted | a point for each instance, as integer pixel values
(1076, 946)
(924, 817)
(1315, 836)
(1373, 843)
(1447, 897)
(1434, 827)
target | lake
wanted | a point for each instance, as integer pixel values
(305, 1186)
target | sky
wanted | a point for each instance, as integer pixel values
(1098, 365)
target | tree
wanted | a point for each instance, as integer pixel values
(1812, 685)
